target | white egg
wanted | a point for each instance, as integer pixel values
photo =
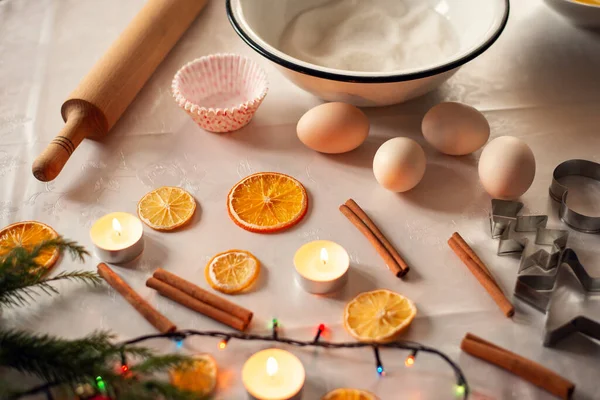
(455, 129)
(506, 167)
(333, 128)
(399, 164)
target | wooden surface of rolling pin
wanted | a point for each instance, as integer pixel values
(112, 84)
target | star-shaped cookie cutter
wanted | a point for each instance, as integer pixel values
(571, 308)
(537, 279)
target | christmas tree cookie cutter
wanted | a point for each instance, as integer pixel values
(559, 192)
(538, 282)
(536, 288)
(504, 219)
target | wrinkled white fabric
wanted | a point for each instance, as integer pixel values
(539, 82)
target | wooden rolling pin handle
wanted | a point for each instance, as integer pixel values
(82, 120)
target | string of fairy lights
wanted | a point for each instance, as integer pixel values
(461, 387)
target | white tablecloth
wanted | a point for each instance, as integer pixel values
(539, 82)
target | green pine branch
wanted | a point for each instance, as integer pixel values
(6, 389)
(56, 359)
(76, 251)
(22, 279)
(59, 361)
(72, 362)
(160, 363)
(151, 389)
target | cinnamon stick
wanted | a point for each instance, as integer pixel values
(364, 229)
(484, 279)
(463, 244)
(158, 320)
(518, 365)
(352, 205)
(188, 301)
(203, 295)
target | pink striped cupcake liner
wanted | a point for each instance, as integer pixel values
(221, 92)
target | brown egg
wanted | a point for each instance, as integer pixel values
(455, 129)
(333, 128)
(506, 167)
(399, 164)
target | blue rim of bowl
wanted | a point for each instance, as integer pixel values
(367, 79)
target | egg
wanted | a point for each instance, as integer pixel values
(455, 129)
(506, 167)
(333, 128)
(399, 164)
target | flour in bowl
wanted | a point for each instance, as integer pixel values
(370, 36)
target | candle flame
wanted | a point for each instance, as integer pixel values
(272, 366)
(117, 226)
(324, 255)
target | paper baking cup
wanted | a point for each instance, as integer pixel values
(221, 92)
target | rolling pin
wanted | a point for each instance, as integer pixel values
(107, 90)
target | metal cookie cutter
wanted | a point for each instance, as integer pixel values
(571, 308)
(504, 218)
(559, 193)
(535, 262)
(538, 282)
(536, 289)
(556, 239)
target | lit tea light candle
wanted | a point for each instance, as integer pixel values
(118, 237)
(321, 266)
(273, 374)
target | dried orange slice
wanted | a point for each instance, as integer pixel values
(378, 316)
(349, 394)
(166, 208)
(200, 377)
(267, 202)
(232, 271)
(29, 234)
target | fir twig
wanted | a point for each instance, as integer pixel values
(20, 275)
(60, 361)
(161, 363)
(88, 277)
(147, 390)
(6, 390)
(153, 389)
(71, 362)
(55, 359)
(76, 251)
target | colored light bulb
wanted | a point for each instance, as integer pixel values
(222, 344)
(410, 361)
(322, 327)
(460, 390)
(100, 383)
(274, 323)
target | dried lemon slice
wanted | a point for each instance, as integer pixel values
(166, 208)
(200, 377)
(378, 316)
(267, 202)
(349, 394)
(232, 271)
(29, 234)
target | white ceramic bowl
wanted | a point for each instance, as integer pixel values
(261, 23)
(584, 15)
